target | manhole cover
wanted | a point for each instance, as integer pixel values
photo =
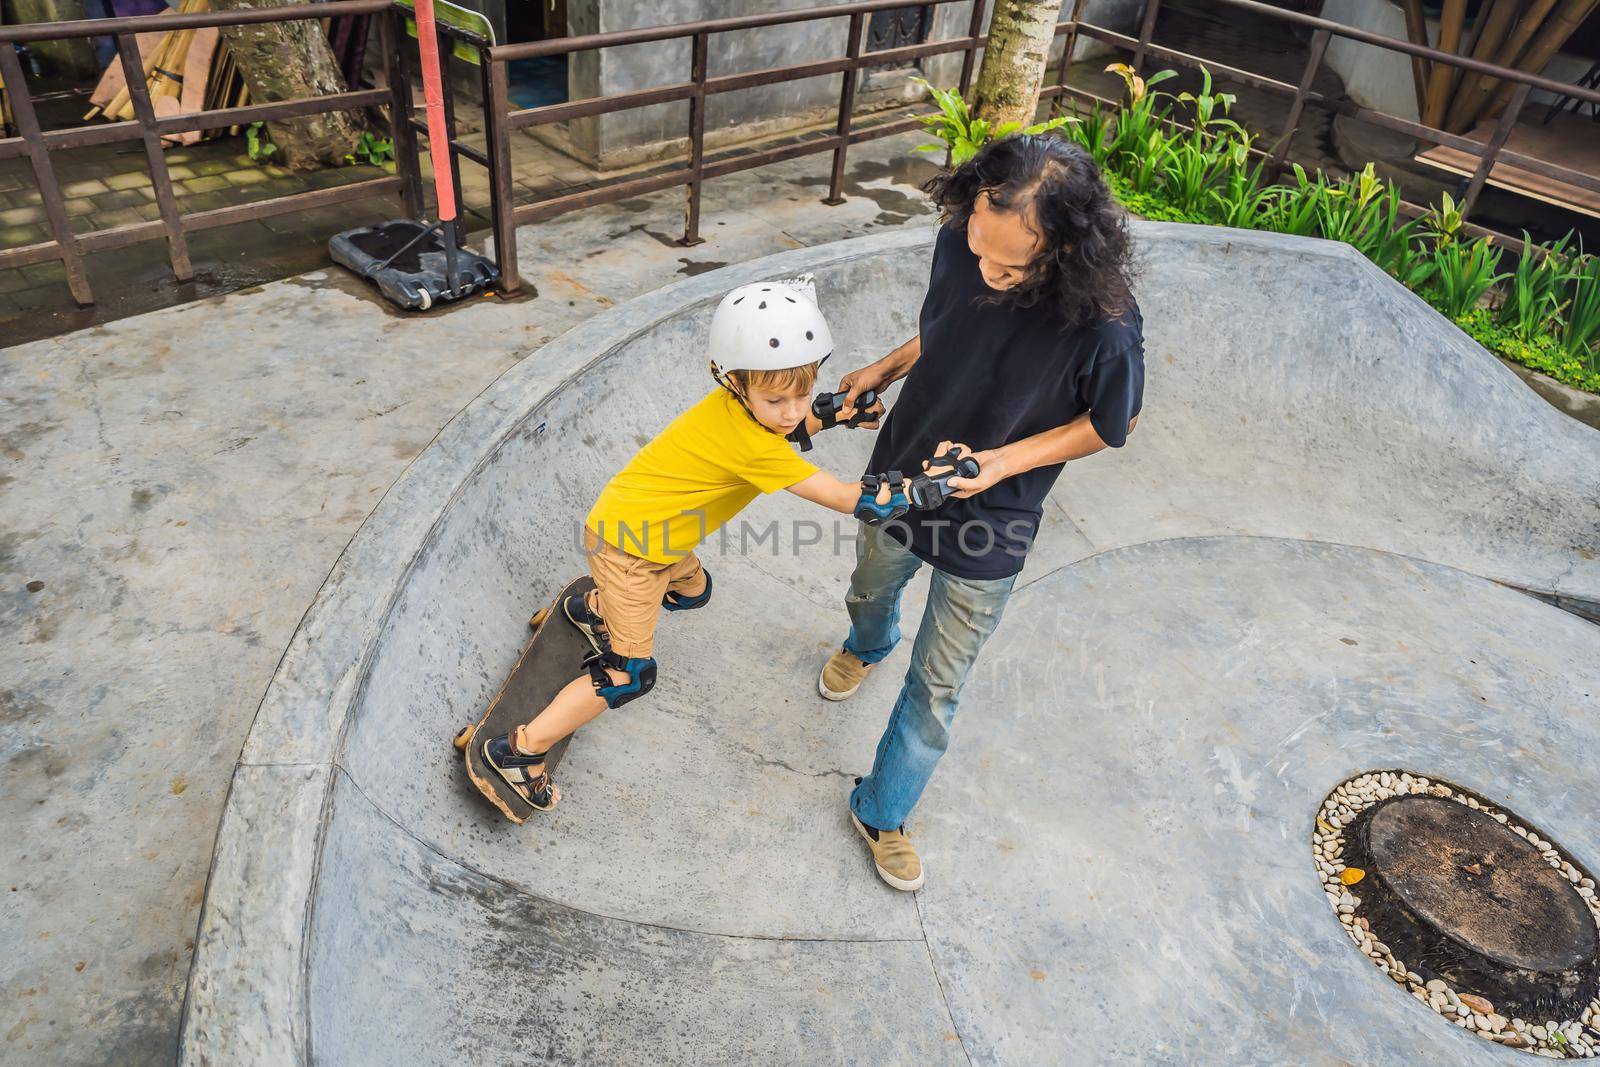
(1478, 916)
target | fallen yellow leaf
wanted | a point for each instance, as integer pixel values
(1351, 875)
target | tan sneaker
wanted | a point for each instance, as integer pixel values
(897, 862)
(842, 675)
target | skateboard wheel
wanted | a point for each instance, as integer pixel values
(538, 618)
(463, 735)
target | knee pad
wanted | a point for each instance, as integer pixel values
(673, 602)
(641, 677)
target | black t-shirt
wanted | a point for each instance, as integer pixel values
(989, 376)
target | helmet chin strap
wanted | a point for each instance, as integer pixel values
(726, 381)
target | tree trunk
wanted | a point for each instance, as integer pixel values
(286, 61)
(1013, 63)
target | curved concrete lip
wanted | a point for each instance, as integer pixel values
(1296, 570)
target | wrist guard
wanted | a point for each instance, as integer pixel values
(869, 511)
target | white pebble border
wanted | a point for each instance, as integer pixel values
(1566, 1039)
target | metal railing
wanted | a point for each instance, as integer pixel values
(501, 121)
(146, 126)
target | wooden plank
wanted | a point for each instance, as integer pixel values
(1524, 165)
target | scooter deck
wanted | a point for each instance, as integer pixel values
(552, 657)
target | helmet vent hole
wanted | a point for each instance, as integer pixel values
(790, 299)
(773, 342)
(739, 301)
(762, 306)
(810, 336)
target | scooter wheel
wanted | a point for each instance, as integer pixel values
(463, 735)
(426, 299)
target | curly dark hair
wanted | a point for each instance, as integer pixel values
(1086, 267)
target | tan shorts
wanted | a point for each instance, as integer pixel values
(631, 590)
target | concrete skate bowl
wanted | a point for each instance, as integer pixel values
(1310, 560)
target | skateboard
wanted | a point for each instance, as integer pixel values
(552, 657)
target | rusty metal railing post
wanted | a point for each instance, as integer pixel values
(139, 94)
(697, 140)
(970, 57)
(497, 134)
(1147, 31)
(847, 106)
(408, 166)
(1502, 131)
(1068, 46)
(44, 173)
(1319, 48)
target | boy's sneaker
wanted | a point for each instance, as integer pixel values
(842, 675)
(897, 862)
(576, 609)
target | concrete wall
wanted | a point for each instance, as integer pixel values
(1381, 79)
(620, 139)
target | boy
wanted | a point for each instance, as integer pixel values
(767, 342)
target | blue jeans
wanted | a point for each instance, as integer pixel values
(960, 616)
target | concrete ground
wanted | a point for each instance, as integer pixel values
(177, 486)
(1307, 563)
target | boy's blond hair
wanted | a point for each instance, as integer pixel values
(789, 380)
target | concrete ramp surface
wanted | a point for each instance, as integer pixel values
(1306, 563)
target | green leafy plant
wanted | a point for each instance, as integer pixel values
(1462, 274)
(1141, 116)
(371, 150)
(1293, 208)
(1145, 172)
(1534, 295)
(1545, 314)
(1352, 210)
(1542, 353)
(1243, 198)
(1582, 329)
(961, 134)
(1443, 223)
(1191, 169)
(1210, 111)
(256, 144)
(1094, 132)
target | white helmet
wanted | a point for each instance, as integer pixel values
(769, 326)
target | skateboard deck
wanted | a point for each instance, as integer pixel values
(552, 657)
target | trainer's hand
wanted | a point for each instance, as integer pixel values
(859, 381)
(991, 469)
(873, 410)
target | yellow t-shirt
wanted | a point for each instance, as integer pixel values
(698, 473)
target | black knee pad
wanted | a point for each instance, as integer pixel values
(673, 602)
(641, 677)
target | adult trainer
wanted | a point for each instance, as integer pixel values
(1030, 354)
